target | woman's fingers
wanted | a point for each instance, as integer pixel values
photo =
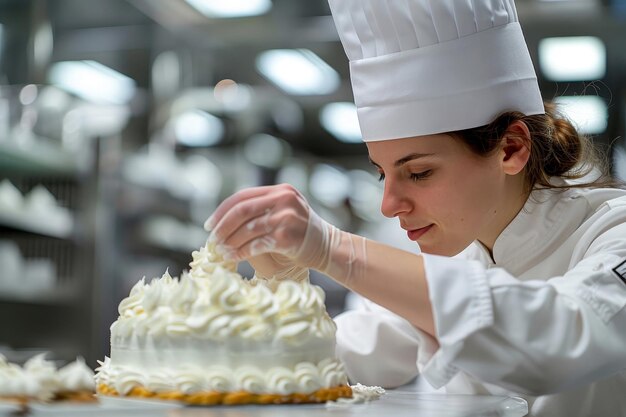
(285, 237)
(267, 219)
(252, 213)
(233, 200)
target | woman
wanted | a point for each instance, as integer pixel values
(521, 284)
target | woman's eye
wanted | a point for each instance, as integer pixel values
(382, 176)
(421, 175)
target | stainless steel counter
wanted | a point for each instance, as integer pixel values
(397, 403)
(394, 403)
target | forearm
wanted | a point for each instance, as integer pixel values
(390, 277)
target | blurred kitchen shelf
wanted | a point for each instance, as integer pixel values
(21, 222)
(171, 246)
(63, 316)
(52, 296)
(20, 356)
(41, 157)
(169, 233)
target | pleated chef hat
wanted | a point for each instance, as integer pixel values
(421, 67)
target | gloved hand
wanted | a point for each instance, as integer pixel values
(267, 266)
(275, 229)
(277, 267)
(277, 221)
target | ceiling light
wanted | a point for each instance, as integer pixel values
(365, 193)
(231, 8)
(266, 151)
(295, 172)
(28, 94)
(575, 58)
(298, 71)
(92, 81)
(198, 128)
(93, 120)
(588, 113)
(329, 185)
(340, 119)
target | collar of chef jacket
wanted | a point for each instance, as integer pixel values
(547, 220)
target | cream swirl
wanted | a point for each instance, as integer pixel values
(261, 302)
(227, 291)
(281, 380)
(202, 314)
(206, 260)
(104, 373)
(307, 377)
(157, 322)
(14, 381)
(129, 379)
(132, 304)
(18, 384)
(43, 373)
(152, 295)
(184, 294)
(250, 379)
(189, 381)
(177, 326)
(220, 379)
(76, 376)
(332, 372)
(294, 332)
(161, 381)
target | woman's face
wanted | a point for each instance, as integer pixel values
(445, 195)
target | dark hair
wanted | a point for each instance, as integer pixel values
(557, 149)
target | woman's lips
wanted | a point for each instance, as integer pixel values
(417, 233)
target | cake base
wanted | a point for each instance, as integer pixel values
(233, 398)
(20, 400)
(75, 397)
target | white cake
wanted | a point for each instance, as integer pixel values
(39, 380)
(213, 337)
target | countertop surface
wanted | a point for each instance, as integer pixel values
(405, 401)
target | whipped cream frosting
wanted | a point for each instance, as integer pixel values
(214, 302)
(76, 376)
(305, 377)
(40, 379)
(211, 329)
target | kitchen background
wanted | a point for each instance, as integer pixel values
(123, 123)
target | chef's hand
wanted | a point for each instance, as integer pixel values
(267, 266)
(277, 221)
(277, 267)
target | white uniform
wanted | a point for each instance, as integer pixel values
(545, 321)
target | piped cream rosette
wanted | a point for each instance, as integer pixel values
(213, 337)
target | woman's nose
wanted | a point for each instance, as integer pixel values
(394, 202)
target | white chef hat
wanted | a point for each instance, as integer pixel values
(421, 67)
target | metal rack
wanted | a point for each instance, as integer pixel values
(56, 318)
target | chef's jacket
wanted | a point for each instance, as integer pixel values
(544, 319)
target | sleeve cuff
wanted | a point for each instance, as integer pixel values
(461, 300)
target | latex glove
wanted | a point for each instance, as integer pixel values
(278, 220)
(277, 267)
(267, 266)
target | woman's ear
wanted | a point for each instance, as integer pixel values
(515, 148)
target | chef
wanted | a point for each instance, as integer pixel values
(521, 284)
